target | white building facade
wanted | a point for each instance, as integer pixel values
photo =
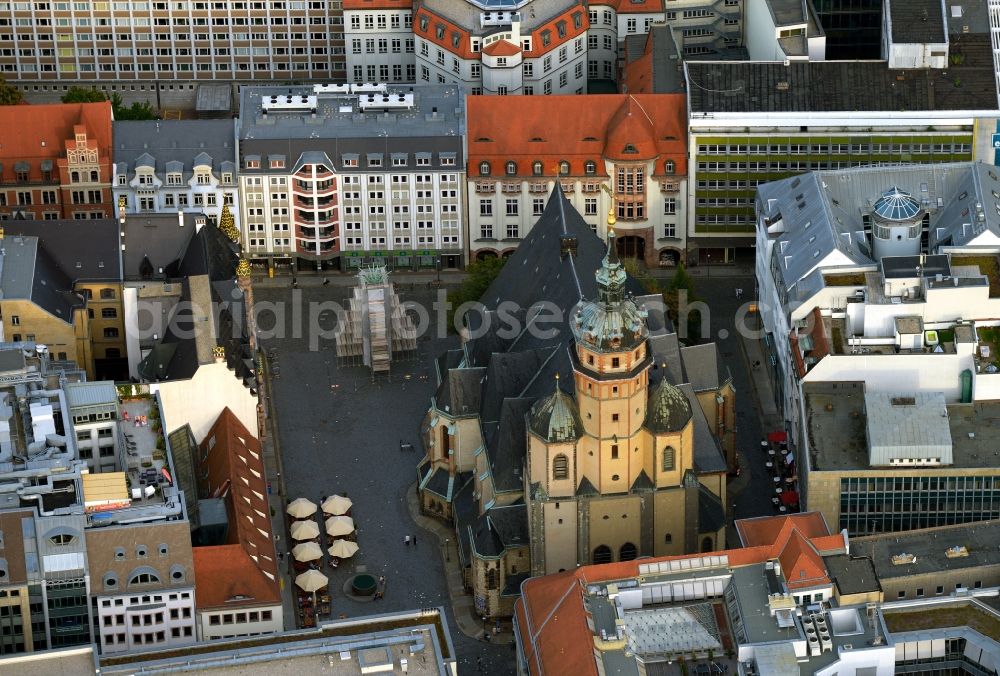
(379, 41)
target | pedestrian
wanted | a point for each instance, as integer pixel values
(414, 540)
(479, 663)
(326, 282)
(406, 540)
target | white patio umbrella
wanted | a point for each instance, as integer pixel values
(336, 504)
(343, 549)
(301, 508)
(312, 581)
(307, 551)
(305, 530)
(339, 525)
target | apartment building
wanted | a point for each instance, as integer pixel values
(171, 166)
(149, 47)
(62, 289)
(379, 42)
(608, 153)
(823, 115)
(58, 164)
(345, 175)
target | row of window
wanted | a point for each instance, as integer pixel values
(175, 178)
(263, 66)
(217, 619)
(832, 148)
(901, 594)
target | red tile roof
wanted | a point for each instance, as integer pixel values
(236, 469)
(501, 48)
(225, 572)
(451, 31)
(538, 49)
(767, 530)
(552, 619)
(591, 127)
(43, 132)
(639, 69)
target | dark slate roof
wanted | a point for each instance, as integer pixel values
(460, 391)
(917, 21)
(852, 574)
(500, 529)
(707, 453)
(711, 514)
(440, 483)
(158, 238)
(466, 512)
(848, 86)
(83, 250)
(208, 266)
(508, 375)
(703, 367)
(586, 487)
(506, 445)
(668, 409)
(182, 141)
(642, 482)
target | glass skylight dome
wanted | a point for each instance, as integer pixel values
(897, 205)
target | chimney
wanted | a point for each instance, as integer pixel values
(567, 245)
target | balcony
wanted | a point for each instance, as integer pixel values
(322, 189)
(485, 187)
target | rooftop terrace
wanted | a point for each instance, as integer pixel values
(933, 549)
(952, 615)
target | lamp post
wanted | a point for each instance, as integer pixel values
(437, 266)
(447, 555)
(708, 257)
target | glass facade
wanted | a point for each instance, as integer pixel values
(69, 620)
(728, 169)
(853, 28)
(886, 504)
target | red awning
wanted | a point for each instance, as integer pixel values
(777, 437)
(790, 498)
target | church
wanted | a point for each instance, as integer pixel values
(584, 435)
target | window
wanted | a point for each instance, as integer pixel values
(512, 206)
(616, 362)
(511, 168)
(590, 167)
(111, 332)
(107, 294)
(536, 168)
(614, 449)
(602, 554)
(667, 464)
(485, 207)
(537, 206)
(590, 206)
(564, 168)
(669, 206)
(145, 576)
(560, 467)
(61, 539)
(484, 168)
(669, 167)
(15, 320)
(109, 313)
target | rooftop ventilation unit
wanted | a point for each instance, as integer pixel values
(373, 102)
(341, 89)
(369, 88)
(279, 103)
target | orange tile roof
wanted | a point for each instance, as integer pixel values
(552, 619)
(43, 130)
(801, 564)
(235, 464)
(638, 72)
(767, 530)
(505, 128)
(377, 4)
(451, 31)
(501, 48)
(225, 572)
(539, 50)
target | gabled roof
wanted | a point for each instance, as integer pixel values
(501, 48)
(228, 578)
(801, 564)
(234, 463)
(42, 132)
(767, 530)
(520, 129)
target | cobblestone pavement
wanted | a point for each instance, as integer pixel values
(340, 432)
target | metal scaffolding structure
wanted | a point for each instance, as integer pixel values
(375, 330)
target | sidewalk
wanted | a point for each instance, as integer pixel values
(271, 448)
(342, 279)
(468, 621)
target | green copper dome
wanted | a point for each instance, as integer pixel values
(556, 418)
(612, 323)
(668, 409)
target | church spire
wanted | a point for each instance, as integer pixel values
(611, 274)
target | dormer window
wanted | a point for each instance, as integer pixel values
(668, 167)
(630, 149)
(227, 177)
(590, 167)
(253, 164)
(122, 179)
(439, 31)
(536, 168)
(511, 168)
(423, 24)
(277, 163)
(564, 168)
(484, 168)
(546, 38)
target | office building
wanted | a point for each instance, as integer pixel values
(349, 175)
(818, 116)
(58, 163)
(170, 166)
(159, 51)
(609, 153)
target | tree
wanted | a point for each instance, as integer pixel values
(641, 275)
(9, 94)
(84, 95)
(227, 224)
(681, 287)
(480, 275)
(140, 110)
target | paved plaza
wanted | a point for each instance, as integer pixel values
(340, 432)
